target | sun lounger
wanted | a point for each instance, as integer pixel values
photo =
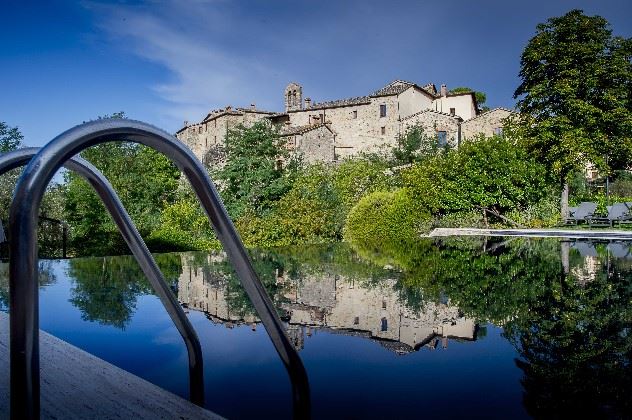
(616, 213)
(620, 250)
(580, 213)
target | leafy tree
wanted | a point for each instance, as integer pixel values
(258, 171)
(106, 289)
(481, 98)
(10, 138)
(490, 172)
(144, 179)
(415, 146)
(575, 97)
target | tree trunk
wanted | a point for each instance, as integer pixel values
(564, 200)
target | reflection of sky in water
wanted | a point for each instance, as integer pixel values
(335, 310)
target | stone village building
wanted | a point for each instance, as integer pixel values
(330, 131)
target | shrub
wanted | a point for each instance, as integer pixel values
(383, 219)
(489, 172)
(184, 226)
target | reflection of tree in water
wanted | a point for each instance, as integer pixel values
(572, 331)
(46, 276)
(576, 347)
(105, 289)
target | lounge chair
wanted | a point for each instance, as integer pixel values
(585, 248)
(580, 213)
(616, 214)
(620, 250)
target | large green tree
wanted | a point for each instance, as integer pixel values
(10, 139)
(575, 96)
(259, 169)
(144, 179)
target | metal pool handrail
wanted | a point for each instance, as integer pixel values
(103, 188)
(24, 322)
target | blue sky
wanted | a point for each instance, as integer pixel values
(62, 62)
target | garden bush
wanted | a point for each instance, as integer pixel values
(385, 218)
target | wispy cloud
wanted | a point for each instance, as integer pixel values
(194, 44)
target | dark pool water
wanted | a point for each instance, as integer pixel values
(476, 328)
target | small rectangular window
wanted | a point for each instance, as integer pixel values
(355, 114)
(383, 130)
(442, 138)
(382, 111)
(356, 320)
(452, 111)
(384, 326)
(200, 130)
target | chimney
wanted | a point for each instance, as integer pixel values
(444, 91)
(186, 123)
(253, 106)
(308, 103)
(228, 107)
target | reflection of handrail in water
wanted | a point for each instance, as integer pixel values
(23, 253)
(136, 244)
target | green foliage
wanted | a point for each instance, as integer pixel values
(314, 210)
(383, 218)
(252, 179)
(576, 95)
(10, 138)
(105, 289)
(145, 181)
(488, 172)
(542, 214)
(183, 227)
(415, 146)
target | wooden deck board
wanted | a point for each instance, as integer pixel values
(78, 385)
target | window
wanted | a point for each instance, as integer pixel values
(382, 111)
(498, 131)
(200, 130)
(452, 111)
(354, 114)
(356, 320)
(383, 130)
(442, 138)
(383, 304)
(384, 324)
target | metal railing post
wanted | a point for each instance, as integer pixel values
(113, 204)
(23, 252)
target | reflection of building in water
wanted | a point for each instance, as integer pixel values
(337, 305)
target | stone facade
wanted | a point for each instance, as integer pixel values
(209, 134)
(333, 303)
(488, 123)
(314, 142)
(350, 126)
(435, 123)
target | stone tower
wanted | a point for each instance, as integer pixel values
(293, 97)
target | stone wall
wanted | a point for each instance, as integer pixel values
(358, 127)
(432, 122)
(212, 130)
(487, 123)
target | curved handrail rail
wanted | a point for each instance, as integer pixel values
(103, 188)
(24, 321)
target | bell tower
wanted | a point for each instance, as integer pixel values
(293, 97)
